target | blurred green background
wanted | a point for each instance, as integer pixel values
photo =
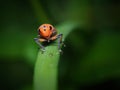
(91, 58)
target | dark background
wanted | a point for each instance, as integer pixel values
(91, 59)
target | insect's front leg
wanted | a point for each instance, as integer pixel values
(38, 41)
(59, 41)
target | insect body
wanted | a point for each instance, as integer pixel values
(47, 33)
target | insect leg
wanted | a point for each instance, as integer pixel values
(38, 42)
(59, 42)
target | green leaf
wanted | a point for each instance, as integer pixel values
(45, 75)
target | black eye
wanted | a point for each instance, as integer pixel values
(38, 30)
(44, 26)
(50, 27)
(44, 29)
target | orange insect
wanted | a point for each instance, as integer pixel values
(47, 33)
